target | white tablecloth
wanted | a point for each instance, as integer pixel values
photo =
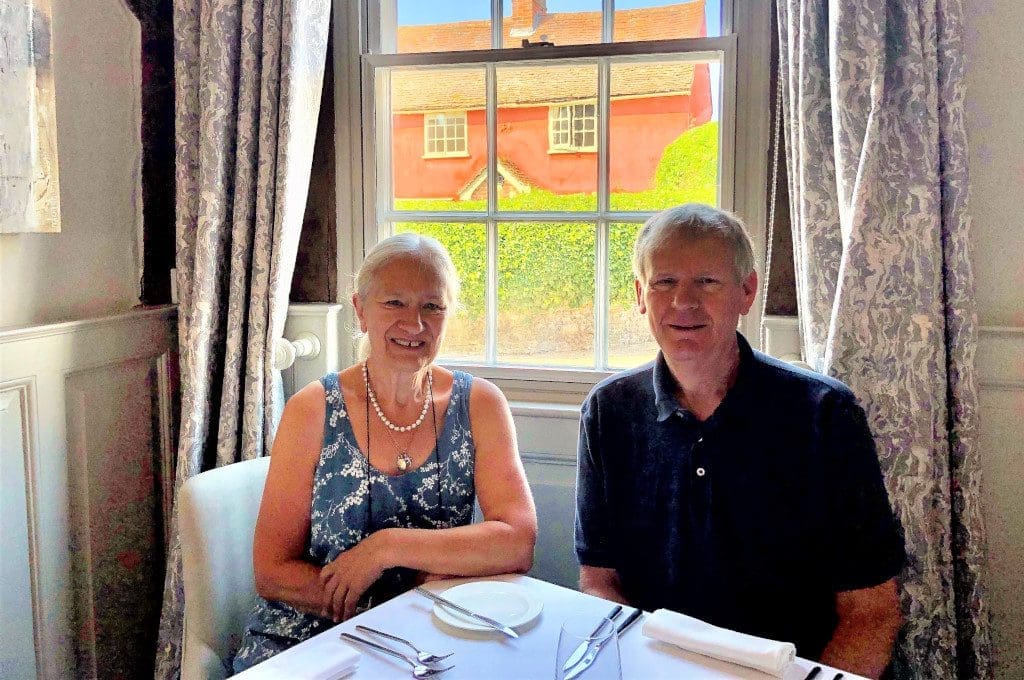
(492, 656)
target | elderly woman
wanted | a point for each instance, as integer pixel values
(374, 470)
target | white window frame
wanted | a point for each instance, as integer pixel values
(430, 124)
(745, 47)
(555, 119)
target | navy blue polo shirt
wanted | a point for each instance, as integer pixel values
(752, 519)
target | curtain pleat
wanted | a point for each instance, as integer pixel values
(249, 76)
(873, 101)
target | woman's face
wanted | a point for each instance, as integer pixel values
(404, 314)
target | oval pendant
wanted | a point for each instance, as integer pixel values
(404, 461)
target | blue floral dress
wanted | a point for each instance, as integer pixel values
(341, 515)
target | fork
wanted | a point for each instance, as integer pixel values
(424, 657)
(418, 669)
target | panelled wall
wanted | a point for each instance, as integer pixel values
(87, 413)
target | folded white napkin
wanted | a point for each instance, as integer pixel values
(323, 657)
(721, 643)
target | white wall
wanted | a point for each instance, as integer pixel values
(90, 268)
(62, 464)
(995, 126)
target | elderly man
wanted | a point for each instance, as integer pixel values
(724, 484)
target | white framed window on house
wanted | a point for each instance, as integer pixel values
(444, 134)
(667, 99)
(572, 127)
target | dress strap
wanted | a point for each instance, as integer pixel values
(463, 383)
(334, 413)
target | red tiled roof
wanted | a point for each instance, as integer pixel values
(463, 88)
(681, 20)
(414, 90)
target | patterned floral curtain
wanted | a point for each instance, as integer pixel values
(248, 80)
(873, 98)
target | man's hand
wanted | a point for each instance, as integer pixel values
(346, 578)
(869, 619)
(602, 582)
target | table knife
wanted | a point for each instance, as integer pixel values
(581, 649)
(628, 621)
(489, 622)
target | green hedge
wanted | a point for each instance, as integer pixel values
(547, 266)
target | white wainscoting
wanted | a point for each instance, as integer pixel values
(87, 411)
(1001, 378)
(547, 436)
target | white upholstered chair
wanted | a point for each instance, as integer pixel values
(216, 519)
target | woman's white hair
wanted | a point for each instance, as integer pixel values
(694, 221)
(426, 251)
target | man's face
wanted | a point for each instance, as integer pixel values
(692, 299)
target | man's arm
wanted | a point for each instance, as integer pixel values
(594, 546)
(869, 619)
(601, 582)
(867, 550)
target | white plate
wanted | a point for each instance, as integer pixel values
(507, 603)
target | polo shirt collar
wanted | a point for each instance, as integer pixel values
(665, 384)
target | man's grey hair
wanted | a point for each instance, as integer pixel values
(693, 221)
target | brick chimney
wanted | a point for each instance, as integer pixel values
(526, 16)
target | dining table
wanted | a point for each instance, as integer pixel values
(493, 656)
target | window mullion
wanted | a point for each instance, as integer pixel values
(491, 303)
(727, 18)
(601, 296)
(607, 20)
(382, 158)
(603, 201)
(496, 27)
(491, 327)
(603, 111)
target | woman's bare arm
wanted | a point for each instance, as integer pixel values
(282, 529)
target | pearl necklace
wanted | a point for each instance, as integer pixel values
(380, 412)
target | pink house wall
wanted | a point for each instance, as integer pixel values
(640, 130)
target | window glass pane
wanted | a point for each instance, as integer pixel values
(424, 124)
(562, 22)
(663, 134)
(541, 170)
(434, 25)
(629, 338)
(546, 294)
(661, 20)
(467, 244)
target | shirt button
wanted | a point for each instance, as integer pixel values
(701, 472)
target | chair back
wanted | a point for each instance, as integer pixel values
(216, 519)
